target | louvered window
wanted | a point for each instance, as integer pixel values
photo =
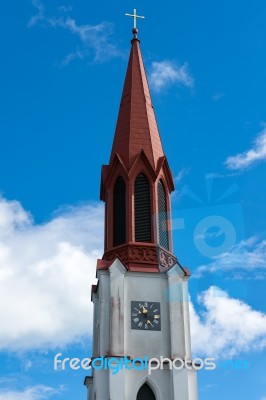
(145, 393)
(119, 212)
(142, 209)
(162, 217)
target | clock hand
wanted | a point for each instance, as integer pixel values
(149, 322)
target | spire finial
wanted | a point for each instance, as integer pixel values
(135, 16)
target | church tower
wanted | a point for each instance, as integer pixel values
(141, 300)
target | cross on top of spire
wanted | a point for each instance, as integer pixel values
(135, 16)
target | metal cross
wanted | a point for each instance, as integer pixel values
(135, 16)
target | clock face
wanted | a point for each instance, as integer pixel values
(145, 315)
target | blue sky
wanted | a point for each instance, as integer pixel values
(62, 71)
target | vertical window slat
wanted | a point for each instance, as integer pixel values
(162, 217)
(119, 213)
(142, 209)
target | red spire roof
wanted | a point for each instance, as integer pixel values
(136, 128)
(137, 152)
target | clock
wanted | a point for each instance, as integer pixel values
(145, 315)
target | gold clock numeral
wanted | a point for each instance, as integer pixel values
(156, 316)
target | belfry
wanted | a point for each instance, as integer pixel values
(141, 306)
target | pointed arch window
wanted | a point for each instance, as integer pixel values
(162, 217)
(119, 212)
(142, 209)
(145, 393)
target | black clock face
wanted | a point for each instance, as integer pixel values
(145, 315)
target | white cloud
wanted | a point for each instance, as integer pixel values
(94, 39)
(178, 178)
(40, 16)
(218, 96)
(38, 392)
(226, 326)
(244, 160)
(247, 259)
(166, 73)
(214, 175)
(64, 9)
(45, 275)
(177, 194)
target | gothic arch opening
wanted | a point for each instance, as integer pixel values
(145, 393)
(142, 209)
(119, 212)
(162, 217)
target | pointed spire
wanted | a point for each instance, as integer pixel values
(130, 183)
(136, 128)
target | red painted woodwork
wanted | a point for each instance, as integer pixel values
(136, 149)
(136, 127)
